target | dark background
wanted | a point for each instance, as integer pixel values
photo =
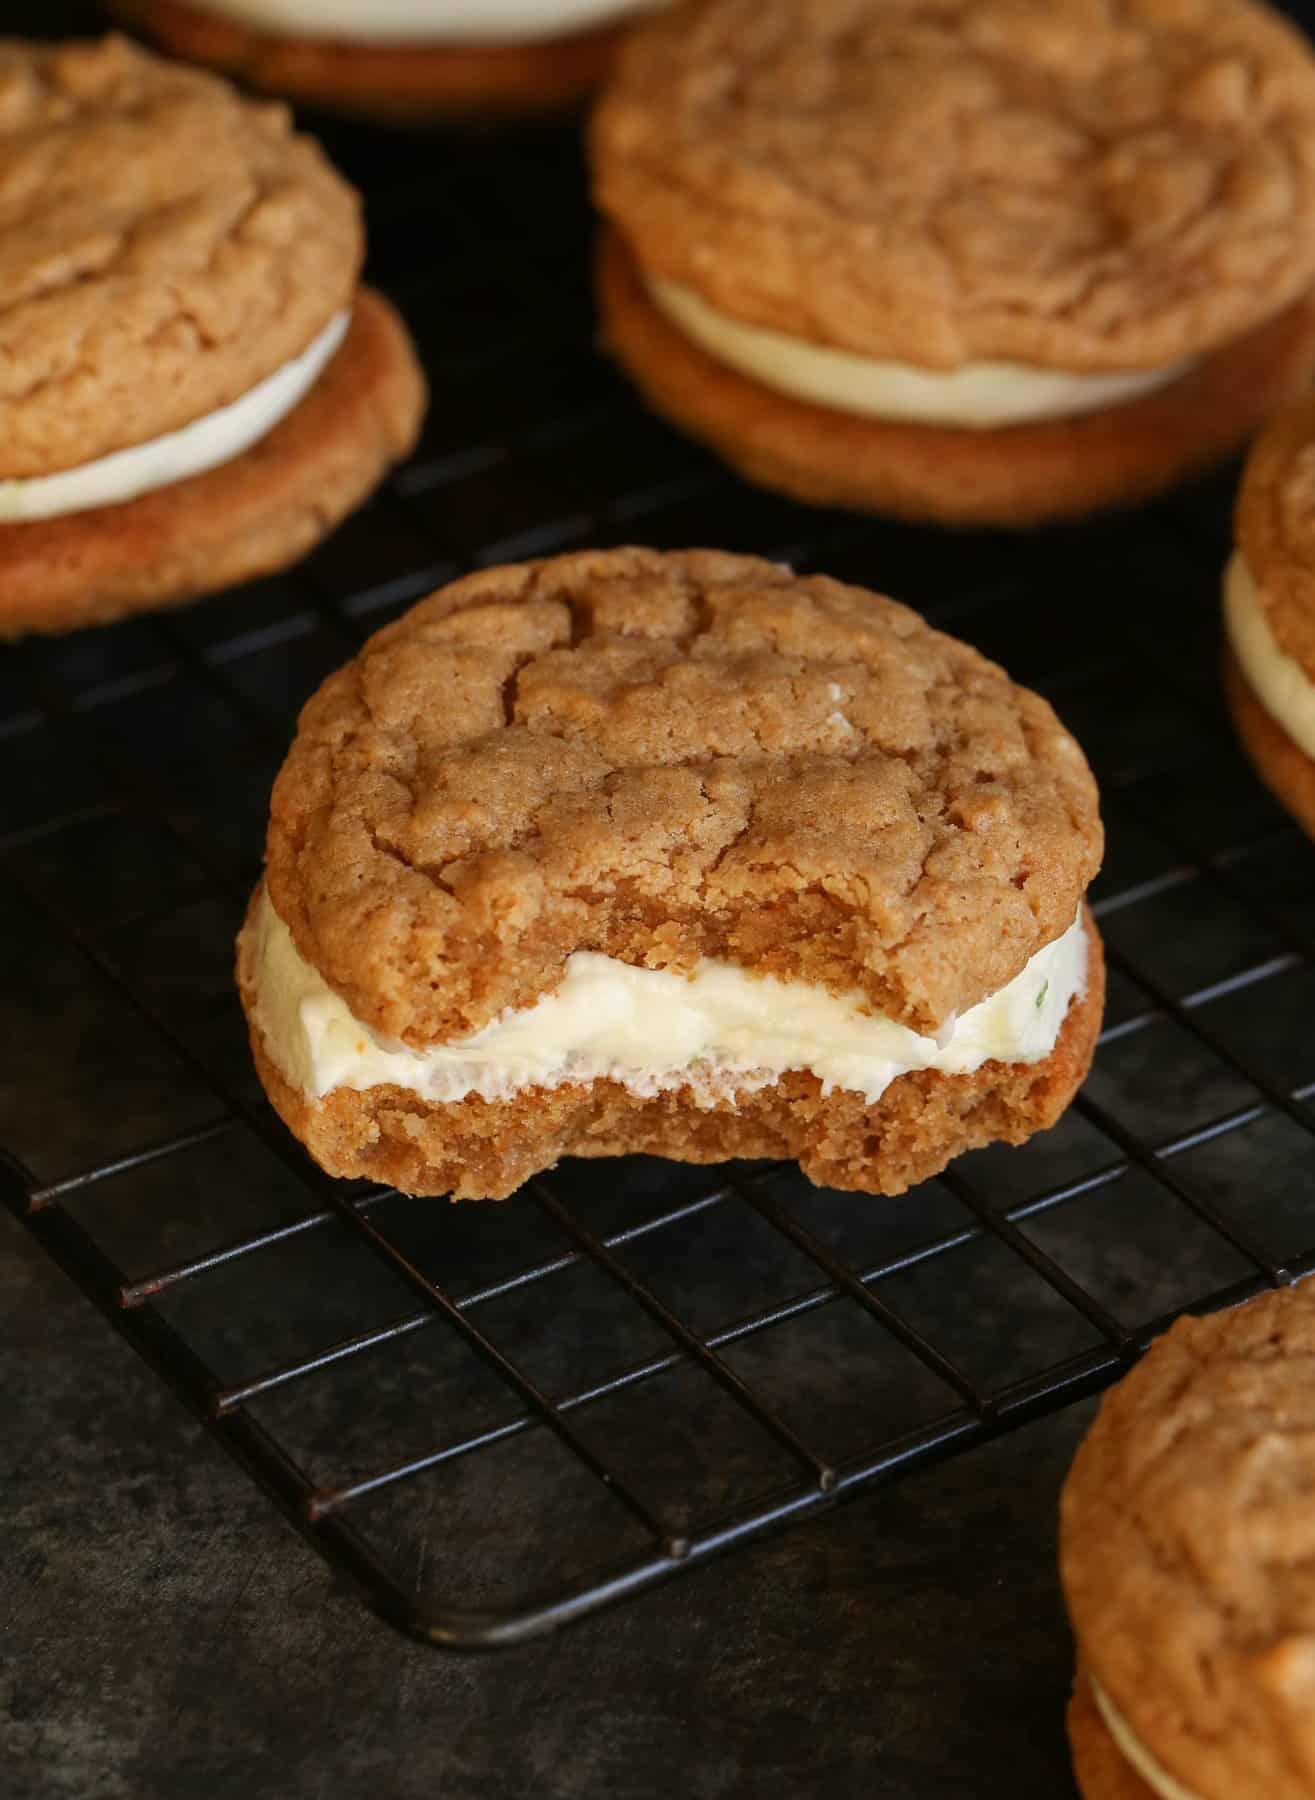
(162, 1633)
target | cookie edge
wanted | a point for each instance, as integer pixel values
(1020, 475)
(253, 516)
(319, 1125)
(1100, 1768)
(1280, 762)
(396, 84)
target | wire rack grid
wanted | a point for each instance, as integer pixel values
(497, 1419)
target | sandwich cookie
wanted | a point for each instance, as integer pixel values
(1187, 1541)
(400, 59)
(1269, 612)
(194, 389)
(967, 260)
(680, 854)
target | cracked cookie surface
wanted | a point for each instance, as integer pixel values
(1188, 1545)
(165, 244)
(666, 756)
(1086, 184)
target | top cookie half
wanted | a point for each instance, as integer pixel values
(165, 244)
(662, 757)
(1079, 184)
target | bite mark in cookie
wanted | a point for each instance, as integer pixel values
(635, 837)
(717, 1029)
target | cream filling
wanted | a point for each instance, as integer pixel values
(425, 21)
(216, 438)
(1135, 1752)
(978, 394)
(1277, 680)
(718, 1030)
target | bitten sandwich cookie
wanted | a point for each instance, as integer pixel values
(1269, 612)
(671, 853)
(1186, 1543)
(400, 59)
(965, 260)
(194, 389)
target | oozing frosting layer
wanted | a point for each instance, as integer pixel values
(425, 21)
(983, 395)
(1135, 1752)
(717, 1030)
(216, 438)
(1277, 680)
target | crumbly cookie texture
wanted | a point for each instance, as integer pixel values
(1188, 1549)
(391, 82)
(1087, 184)
(1275, 528)
(480, 1149)
(247, 517)
(667, 756)
(1102, 1770)
(164, 245)
(1018, 475)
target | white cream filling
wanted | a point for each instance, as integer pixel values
(216, 438)
(1135, 1752)
(978, 394)
(425, 21)
(1277, 680)
(718, 1030)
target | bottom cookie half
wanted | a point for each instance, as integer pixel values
(1102, 1770)
(1282, 764)
(1019, 475)
(390, 82)
(248, 517)
(481, 1149)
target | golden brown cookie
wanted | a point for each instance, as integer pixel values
(166, 245)
(1283, 766)
(389, 82)
(482, 1149)
(194, 389)
(1269, 612)
(1186, 1553)
(993, 194)
(1019, 475)
(248, 517)
(1103, 1772)
(696, 766)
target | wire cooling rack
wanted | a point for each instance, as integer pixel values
(498, 1418)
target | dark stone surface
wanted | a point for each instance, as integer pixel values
(163, 1634)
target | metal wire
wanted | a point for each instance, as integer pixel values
(636, 1391)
